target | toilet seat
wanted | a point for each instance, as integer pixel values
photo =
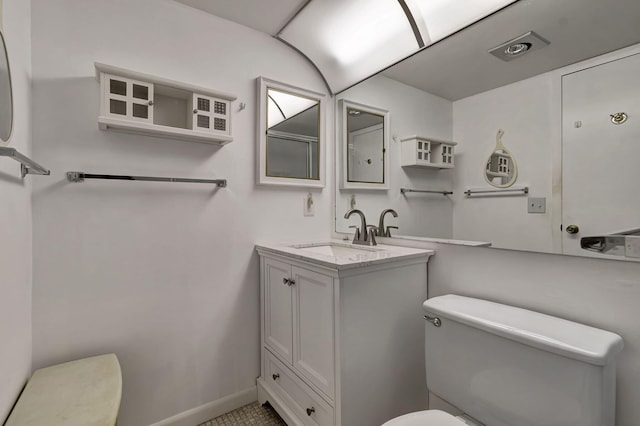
(426, 418)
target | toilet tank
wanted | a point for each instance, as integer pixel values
(507, 366)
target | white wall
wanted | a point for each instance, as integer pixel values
(15, 216)
(164, 275)
(525, 111)
(412, 112)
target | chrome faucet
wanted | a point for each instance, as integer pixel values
(365, 235)
(382, 232)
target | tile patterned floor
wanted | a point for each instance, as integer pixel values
(252, 414)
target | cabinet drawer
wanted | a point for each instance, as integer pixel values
(307, 404)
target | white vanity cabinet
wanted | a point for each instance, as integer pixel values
(298, 320)
(144, 104)
(342, 345)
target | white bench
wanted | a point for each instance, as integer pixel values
(85, 392)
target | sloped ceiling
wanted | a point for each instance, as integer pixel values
(268, 16)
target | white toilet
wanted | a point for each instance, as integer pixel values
(505, 366)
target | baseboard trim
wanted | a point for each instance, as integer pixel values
(212, 409)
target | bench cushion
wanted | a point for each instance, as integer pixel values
(86, 392)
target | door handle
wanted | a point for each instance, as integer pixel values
(573, 229)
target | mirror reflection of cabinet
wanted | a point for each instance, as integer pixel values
(501, 170)
(290, 135)
(144, 104)
(418, 151)
(364, 135)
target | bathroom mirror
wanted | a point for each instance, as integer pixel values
(290, 135)
(6, 96)
(456, 90)
(501, 170)
(364, 145)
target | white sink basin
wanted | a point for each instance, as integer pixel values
(336, 249)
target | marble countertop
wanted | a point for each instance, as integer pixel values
(444, 241)
(370, 255)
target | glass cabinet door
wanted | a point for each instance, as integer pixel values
(128, 99)
(211, 114)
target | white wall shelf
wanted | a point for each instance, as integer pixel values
(144, 104)
(419, 151)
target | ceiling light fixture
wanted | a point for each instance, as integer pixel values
(517, 49)
(349, 41)
(519, 46)
(438, 19)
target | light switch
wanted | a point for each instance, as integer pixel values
(308, 207)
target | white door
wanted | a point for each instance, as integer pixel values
(127, 98)
(600, 159)
(313, 328)
(278, 321)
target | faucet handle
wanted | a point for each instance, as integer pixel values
(357, 236)
(387, 233)
(373, 229)
(371, 237)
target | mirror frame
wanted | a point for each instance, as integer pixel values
(5, 142)
(261, 158)
(343, 106)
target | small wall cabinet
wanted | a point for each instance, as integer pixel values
(341, 347)
(418, 151)
(144, 104)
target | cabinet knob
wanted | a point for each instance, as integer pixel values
(275, 376)
(195, 111)
(292, 282)
(150, 103)
(285, 281)
(310, 411)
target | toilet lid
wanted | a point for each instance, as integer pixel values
(425, 418)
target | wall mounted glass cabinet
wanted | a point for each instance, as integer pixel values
(364, 136)
(291, 136)
(144, 104)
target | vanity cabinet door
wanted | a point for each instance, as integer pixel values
(314, 328)
(278, 319)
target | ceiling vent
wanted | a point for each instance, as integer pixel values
(519, 46)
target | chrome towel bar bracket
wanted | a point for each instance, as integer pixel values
(27, 165)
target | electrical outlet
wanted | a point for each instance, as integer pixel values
(537, 205)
